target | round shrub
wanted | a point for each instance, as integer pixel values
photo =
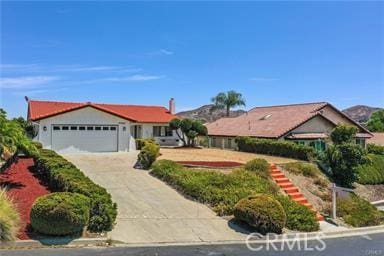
(61, 213)
(262, 212)
(259, 166)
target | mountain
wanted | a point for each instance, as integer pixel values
(205, 114)
(360, 113)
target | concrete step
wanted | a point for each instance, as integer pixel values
(301, 200)
(291, 190)
(278, 175)
(272, 166)
(319, 217)
(295, 195)
(286, 185)
(281, 180)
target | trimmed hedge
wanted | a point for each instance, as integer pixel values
(148, 154)
(275, 148)
(261, 212)
(60, 213)
(358, 212)
(62, 175)
(141, 142)
(373, 171)
(221, 191)
(299, 217)
(9, 218)
(375, 149)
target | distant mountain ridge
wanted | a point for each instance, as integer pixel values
(205, 114)
(360, 113)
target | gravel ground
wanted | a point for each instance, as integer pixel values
(210, 154)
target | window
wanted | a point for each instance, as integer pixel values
(98, 128)
(105, 128)
(82, 128)
(65, 128)
(162, 131)
(73, 128)
(113, 128)
(360, 142)
(56, 128)
(318, 145)
(89, 128)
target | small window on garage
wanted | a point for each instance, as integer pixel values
(73, 128)
(113, 128)
(56, 128)
(98, 128)
(65, 128)
(82, 128)
(105, 128)
(89, 128)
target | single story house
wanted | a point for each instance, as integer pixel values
(92, 127)
(308, 123)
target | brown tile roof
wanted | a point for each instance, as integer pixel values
(267, 122)
(145, 114)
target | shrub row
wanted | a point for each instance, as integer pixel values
(276, 148)
(62, 175)
(358, 212)
(372, 172)
(375, 149)
(221, 191)
(60, 213)
(9, 218)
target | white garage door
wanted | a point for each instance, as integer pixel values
(86, 138)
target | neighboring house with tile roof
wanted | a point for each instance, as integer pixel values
(93, 127)
(308, 123)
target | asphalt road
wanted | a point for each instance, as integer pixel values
(372, 245)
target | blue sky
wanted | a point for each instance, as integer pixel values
(145, 53)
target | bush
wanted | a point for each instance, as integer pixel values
(299, 217)
(372, 172)
(60, 213)
(141, 142)
(148, 154)
(358, 212)
(302, 168)
(221, 191)
(262, 212)
(62, 175)
(375, 149)
(9, 218)
(275, 147)
(258, 165)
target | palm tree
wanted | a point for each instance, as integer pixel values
(228, 100)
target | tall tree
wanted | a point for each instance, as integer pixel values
(376, 121)
(228, 100)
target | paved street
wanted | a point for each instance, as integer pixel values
(150, 211)
(351, 246)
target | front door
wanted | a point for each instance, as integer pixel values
(136, 130)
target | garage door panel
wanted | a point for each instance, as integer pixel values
(84, 138)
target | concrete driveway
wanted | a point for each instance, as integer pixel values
(149, 211)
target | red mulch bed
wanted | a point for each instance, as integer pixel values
(24, 188)
(212, 164)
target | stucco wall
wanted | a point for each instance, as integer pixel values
(315, 125)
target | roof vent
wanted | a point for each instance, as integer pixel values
(266, 117)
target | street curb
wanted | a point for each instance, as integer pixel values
(83, 242)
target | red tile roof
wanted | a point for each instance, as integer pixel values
(144, 114)
(267, 122)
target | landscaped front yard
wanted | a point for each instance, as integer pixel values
(211, 154)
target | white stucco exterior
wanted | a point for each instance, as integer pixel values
(71, 141)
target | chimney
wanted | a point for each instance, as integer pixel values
(172, 107)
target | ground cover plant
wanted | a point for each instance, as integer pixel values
(221, 191)
(372, 172)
